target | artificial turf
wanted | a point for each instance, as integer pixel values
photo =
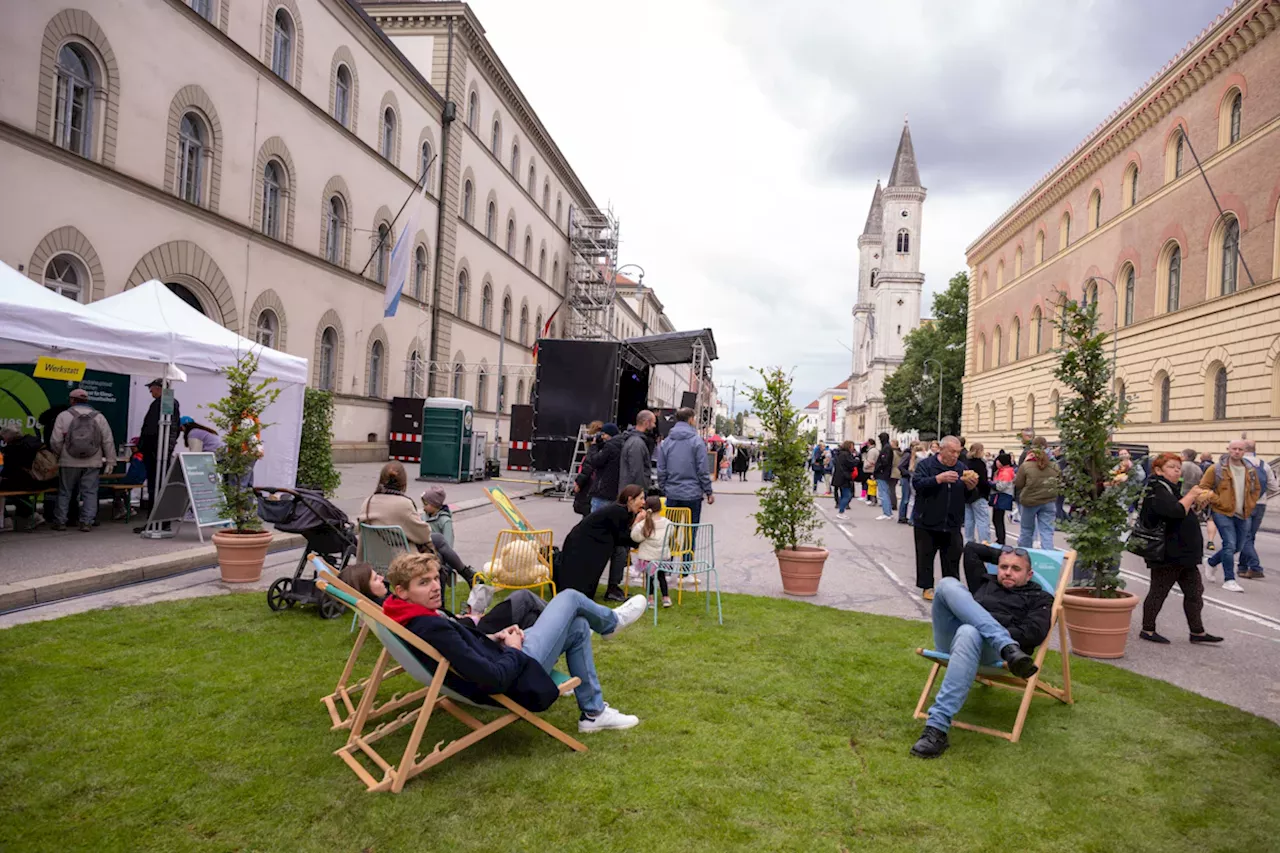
(197, 725)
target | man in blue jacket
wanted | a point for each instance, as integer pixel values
(512, 661)
(941, 488)
(682, 467)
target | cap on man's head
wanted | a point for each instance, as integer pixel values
(78, 394)
(610, 429)
(156, 383)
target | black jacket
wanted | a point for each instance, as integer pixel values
(983, 490)
(590, 545)
(582, 498)
(1025, 611)
(149, 435)
(606, 466)
(884, 463)
(1183, 541)
(485, 667)
(18, 456)
(844, 469)
(939, 506)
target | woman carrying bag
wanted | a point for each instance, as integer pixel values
(1168, 536)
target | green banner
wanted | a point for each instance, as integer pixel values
(23, 398)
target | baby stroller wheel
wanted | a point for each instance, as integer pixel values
(278, 595)
(330, 609)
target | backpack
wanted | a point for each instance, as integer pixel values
(44, 466)
(83, 438)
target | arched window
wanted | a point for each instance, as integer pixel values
(1090, 296)
(511, 237)
(203, 8)
(515, 157)
(555, 275)
(460, 302)
(383, 260)
(542, 263)
(419, 272)
(459, 382)
(1037, 330)
(520, 393)
(495, 139)
(486, 307)
(1017, 262)
(482, 388)
(1230, 256)
(1055, 402)
(1233, 126)
(413, 375)
(1130, 294)
(467, 200)
(533, 177)
(1174, 279)
(65, 275)
(1039, 252)
(1174, 156)
(342, 96)
(335, 230)
(546, 196)
(558, 210)
(874, 275)
(1008, 408)
(977, 417)
(997, 357)
(992, 408)
(73, 123)
(375, 370)
(388, 133)
(537, 326)
(272, 184)
(981, 358)
(491, 221)
(191, 154)
(184, 293)
(528, 252)
(1162, 396)
(282, 46)
(904, 241)
(1064, 232)
(473, 110)
(524, 325)
(267, 328)
(328, 352)
(1015, 339)
(1095, 210)
(505, 329)
(1219, 386)
(424, 164)
(999, 275)
(1031, 410)
(1131, 185)
(1229, 118)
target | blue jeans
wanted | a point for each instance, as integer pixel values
(817, 478)
(1235, 539)
(564, 628)
(1249, 554)
(1037, 518)
(977, 519)
(85, 482)
(964, 629)
(884, 491)
(846, 495)
(905, 498)
(597, 503)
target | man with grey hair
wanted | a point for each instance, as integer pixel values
(1268, 482)
(19, 454)
(86, 449)
(941, 484)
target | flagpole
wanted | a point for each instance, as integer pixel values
(382, 238)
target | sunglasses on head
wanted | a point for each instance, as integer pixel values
(1017, 552)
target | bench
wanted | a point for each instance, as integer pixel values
(115, 489)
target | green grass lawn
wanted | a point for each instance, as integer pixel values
(196, 726)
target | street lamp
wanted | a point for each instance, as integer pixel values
(935, 361)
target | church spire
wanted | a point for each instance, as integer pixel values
(875, 216)
(904, 172)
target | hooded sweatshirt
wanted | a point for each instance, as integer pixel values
(682, 464)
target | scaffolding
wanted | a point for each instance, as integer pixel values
(705, 408)
(593, 245)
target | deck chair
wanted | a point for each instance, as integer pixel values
(515, 518)
(380, 544)
(341, 702)
(398, 643)
(1052, 570)
(693, 553)
(538, 576)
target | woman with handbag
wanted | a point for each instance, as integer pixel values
(1002, 493)
(1167, 534)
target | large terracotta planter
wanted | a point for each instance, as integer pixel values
(241, 555)
(1099, 627)
(801, 569)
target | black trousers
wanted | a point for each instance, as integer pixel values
(997, 518)
(521, 608)
(931, 543)
(149, 460)
(618, 565)
(1162, 580)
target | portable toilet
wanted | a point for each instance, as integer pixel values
(446, 440)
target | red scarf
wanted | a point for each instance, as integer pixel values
(402, 611)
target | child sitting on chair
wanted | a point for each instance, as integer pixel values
(650, 536)
(437, 514)
(512, 661)
(521, 608)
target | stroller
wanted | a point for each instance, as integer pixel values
(328, 532)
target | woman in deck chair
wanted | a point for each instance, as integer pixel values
(512, 661)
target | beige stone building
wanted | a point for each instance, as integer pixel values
(1196, 298)
(250, 152)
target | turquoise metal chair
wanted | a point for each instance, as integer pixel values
(380, 544)
(694, 550)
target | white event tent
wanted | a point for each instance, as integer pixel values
(202, 348)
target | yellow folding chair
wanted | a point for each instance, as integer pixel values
(1052, 570)
(535, 575)
(400, 643)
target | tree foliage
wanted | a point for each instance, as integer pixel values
(238, 417)
(911, 391)
(787, 516)
(315, 454)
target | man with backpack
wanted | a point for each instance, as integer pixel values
(85, 447)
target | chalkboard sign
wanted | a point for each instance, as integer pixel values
(202, 485)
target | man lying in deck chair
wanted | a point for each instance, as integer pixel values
(512, 661)
(999, 617)
(522, 607)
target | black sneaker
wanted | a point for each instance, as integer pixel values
(614, 593)
(1018, 661)
(933, 742)
(1205, 638)
(1152, 636)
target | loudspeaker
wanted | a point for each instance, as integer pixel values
(689, 400)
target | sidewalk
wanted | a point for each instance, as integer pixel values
(44, 565)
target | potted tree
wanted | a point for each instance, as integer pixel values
(242, 548)
(1096, 607)
(787, 517)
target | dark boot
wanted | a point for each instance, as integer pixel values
(614, 593)
(1018, 661)
(933, 742)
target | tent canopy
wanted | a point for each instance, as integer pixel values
(200, 344)
(40, 323)
(673, 347)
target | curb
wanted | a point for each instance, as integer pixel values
(68, 584)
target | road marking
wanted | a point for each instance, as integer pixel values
(1259, 636)
(908, 591)
(1243, 612)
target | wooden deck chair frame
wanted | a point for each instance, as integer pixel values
(1002, 678)
(341, 703)
(394, 776)
(543, 540)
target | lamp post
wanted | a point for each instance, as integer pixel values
(935, 361)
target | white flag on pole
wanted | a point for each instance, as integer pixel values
(401, 256)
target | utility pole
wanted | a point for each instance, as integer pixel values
(733, 399)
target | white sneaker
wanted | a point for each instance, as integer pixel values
(1232, 586)
(840, 516)
(1208, 572)
(609, 718)
(627, 612)
(881, 517)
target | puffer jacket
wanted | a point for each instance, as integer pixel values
(1035, 486)
(1219, 480)
(682, 464)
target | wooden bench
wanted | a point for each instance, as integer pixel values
(114, 488)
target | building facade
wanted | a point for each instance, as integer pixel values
(1127, 220)
(889, 290)
(252, 156)
(832, 420)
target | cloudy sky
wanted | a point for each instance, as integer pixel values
(739, 141)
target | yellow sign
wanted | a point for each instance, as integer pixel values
(59, 368)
